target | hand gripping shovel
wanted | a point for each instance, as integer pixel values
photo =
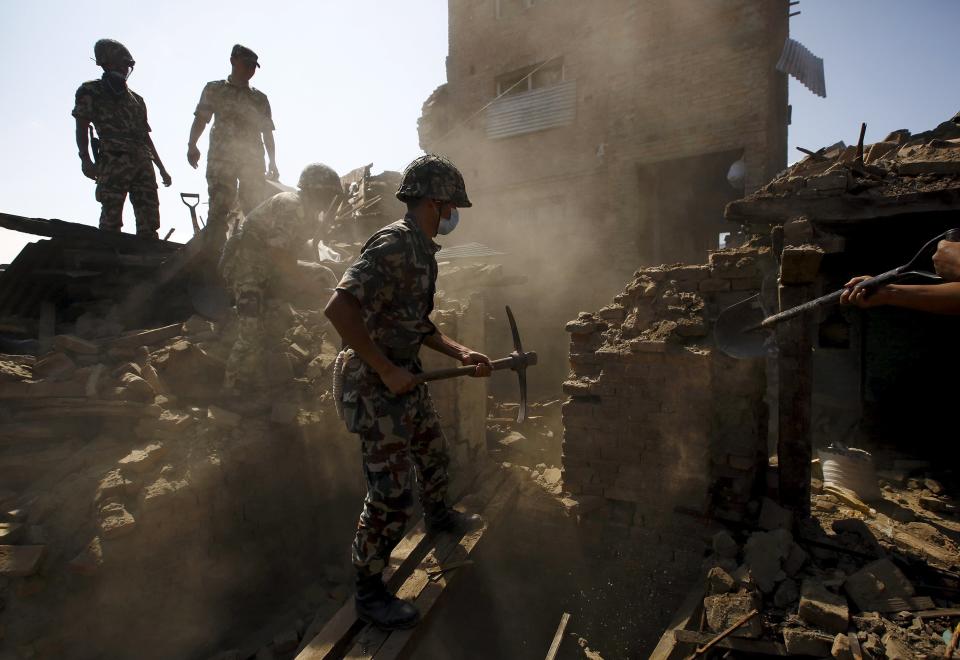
(517, 361)
(737, 331)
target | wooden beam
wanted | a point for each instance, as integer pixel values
(742, 645)
(558, 637)
(795, 365)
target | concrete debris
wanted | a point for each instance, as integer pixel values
(719, 581)
(800, 641)
(823, 609)
(723, 610)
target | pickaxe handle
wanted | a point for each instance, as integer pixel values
(515, 361)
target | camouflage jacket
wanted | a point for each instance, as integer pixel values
(120, 119)
(277, 224)
(394, 279)
(241, 114)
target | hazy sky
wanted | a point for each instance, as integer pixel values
(347, 79)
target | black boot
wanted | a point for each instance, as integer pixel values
(379, 607)
(442, 519)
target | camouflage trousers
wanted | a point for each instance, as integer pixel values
(249, 276)
(399, 436)
(231, 184)
(120, 173)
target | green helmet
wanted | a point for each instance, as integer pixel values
(108, 51)
(317, 176)
(434, 177)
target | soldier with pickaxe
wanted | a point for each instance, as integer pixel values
(381, 309)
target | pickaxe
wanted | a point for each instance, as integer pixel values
(517, 361)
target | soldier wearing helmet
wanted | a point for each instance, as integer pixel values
(261, 256)
(381, 308)
(242, 128)
(123, 162)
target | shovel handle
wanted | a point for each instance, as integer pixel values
(831, 298)
(510, 362)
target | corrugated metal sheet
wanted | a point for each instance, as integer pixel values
(468, 251)
(536, 110)
(803, 65)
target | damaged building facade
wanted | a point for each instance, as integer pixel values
(604, 132)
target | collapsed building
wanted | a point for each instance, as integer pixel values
(663, 428)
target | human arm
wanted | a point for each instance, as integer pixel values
(167, 181)
(934, 298)
(344, 313)
(946, 260)
(196, 130)
(271, 147)
(83, 146)
(444, 344)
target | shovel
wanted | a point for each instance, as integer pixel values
(738, 329)
(193, 209)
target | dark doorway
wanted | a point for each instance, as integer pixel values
(681, 206)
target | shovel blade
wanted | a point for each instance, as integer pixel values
(737, 332)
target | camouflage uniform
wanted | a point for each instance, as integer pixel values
(394, 280)
(125, 162)
(235, 167)
(265, 241)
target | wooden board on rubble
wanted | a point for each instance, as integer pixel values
(907, 604)
(332, 638)
(424, 590)
(751, 646)
(689, 609)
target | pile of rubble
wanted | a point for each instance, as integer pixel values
(839, 586)
(835, 180)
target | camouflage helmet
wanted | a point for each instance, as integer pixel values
(317, 176)
(434, 177)
(108, 51)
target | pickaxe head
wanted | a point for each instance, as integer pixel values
(519, 363)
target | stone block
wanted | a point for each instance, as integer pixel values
(786, 594)
(143, 460)
(149, 374)
(822, 608)
(764, 553)
(800, 265)
(89, 560)
(115, 484)
(719, 581)
(21, 560)
(773, 516)
(877, 580)
(798, 232)
(842, 650)
(138, 388)
(800, 641)
(724, 546)
(723, 610)
(116, 521)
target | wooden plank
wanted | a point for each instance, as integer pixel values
(689, 608)
(371, 638)
(432, 589)
(558, 637)
(756, 646)
(331, 638)
(935, 614)
(898, 604)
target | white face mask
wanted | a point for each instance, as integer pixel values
(447, 225)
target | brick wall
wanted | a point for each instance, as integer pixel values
(657, 417)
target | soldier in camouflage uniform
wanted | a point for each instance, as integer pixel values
(381, 309)
(258, 255)
(243, 126)
(124, 162)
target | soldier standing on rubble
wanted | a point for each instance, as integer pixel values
(381, 309)
(258, 255)
(123, 163)
(243, 126)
